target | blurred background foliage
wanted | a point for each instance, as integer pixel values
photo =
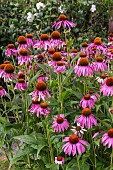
(13, 19)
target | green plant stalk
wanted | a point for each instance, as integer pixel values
(60, 90)
(4, 105)
(78, 162)
(85, 85)
(93, 150)
(13, 62)
(112, 159)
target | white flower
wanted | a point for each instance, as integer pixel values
(30, 17)
(61, 9)
(36, 14)
(93, 8)
(78, 129)
(29, 14)
(40, 5)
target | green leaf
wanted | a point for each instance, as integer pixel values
(69, 44)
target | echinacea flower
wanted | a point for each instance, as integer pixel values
(60, 123)
(81, 55)
(51, 51)
(74, 145)
(23, 57)
(43, 42)
(87, 101)
(60, 67)
(11, 50)
(59, 160)
(2, 92)
(8, 72)
(94, 96)
(107, 138)
(21, 85)
(55, 40)
(78, 130)
(35, 106)
(83, 68)
(96, 134)
(29, 40)
(100, 48)
(55, 58)
(101, 78)
(41, 91)
(2, 70)
(99, 64)
(22, 42)
(42, 77)
(62, 21)
(107, 87)
(85, 48)
(87, 119)
(40, 58)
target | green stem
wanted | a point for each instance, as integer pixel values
(93, 150)
(112, 158)
(78, 162)
(85, 85)
(60, 90)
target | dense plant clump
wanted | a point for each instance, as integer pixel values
(56, 96)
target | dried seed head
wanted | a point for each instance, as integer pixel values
(44, 37)
(60, 120)
(62, 17)
(73, 139)
(41, 86)
(97, 41)
(23, 52)
(9, 68)
(86, 111)
(83, 62)
(109, 81)
(21, 40)
(55, 35)
(57, 56)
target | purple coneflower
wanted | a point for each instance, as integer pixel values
(8, 73)
(22, 42)
(21, 85)
(87, 119)
(94, 96)
(60, 123)
(2, 92)
(29, 40)
(111, 110)
(107, 138)
(11, 50)
(55, 40)
(59, 160)
(78, 130)
(62, 21)
(97, 133)
(100, 48)
(35, 106)
(87, 101)
(102, 77)
(83, 68)
(99, 64)
(85, 48)
(107, 87)
(74, 145)
(23, 57)
(42, 77)
(43, 42)
(41, 91)
(2, 70)
(55, 58)
(60, 67)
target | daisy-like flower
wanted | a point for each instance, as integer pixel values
(78, 130)
(107, 138)
(8, 73)
(87, 101)
(21, 85)
(87, 119)
(99, 64)
(83, 68)
(60, 67)
(107, 87)
(97, 133)
(74, 145)
(2, 92)
(42, 77)
(73, 53)
(2, 70)
(101, 78)
(100, 48)
(51, 51)
(85, 48)
(44, 109)
(93, 8)
(40, 5)
(81, 55)
(40, 58)
(35, 106)
(59, 160)
(110, 39)
(41, 91)
(23, 57)
(43, 42)
(11, 50)
(60, 123)
(29, 40)
(55, 40)
(21, 75)
(62, 21)
(110, 54)
(55, 58)
(94, 96)
(30, 17)
(22, 42)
